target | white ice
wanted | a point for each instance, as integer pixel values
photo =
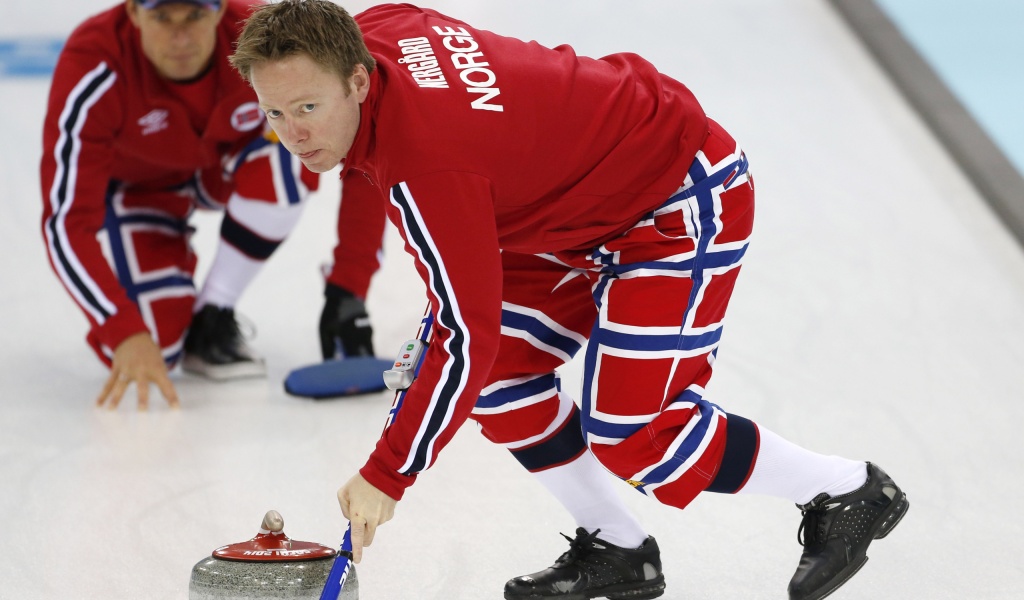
(880, 316)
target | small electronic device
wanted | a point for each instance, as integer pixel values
(403, 373)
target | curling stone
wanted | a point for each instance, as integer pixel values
(269, 565)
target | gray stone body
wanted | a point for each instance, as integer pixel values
(217, 579)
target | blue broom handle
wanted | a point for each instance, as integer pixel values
(339, 572)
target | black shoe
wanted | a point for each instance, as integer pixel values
(214, 347)
(593, 568)
(836, 531)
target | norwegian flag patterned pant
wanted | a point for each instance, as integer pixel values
(649, 307)
(148, 231)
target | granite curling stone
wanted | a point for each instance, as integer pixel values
(269, 565)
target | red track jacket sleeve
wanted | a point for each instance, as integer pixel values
(361, 221)
(460, 261)
(79, 133)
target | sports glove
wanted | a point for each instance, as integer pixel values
(344, 325)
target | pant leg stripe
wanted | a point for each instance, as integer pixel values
(531, 327)
(541, 386)
(245, 240)
(563, 447)
(741, 444)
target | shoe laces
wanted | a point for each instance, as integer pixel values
(244, 327)
(579, 547)
(230, 327)
(812, 526)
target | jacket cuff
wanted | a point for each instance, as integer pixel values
(386, 479)
(120, 327)
(333, 290)
(351, 280)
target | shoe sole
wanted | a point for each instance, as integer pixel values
(650, 589)
(882, 529)
(223, 372)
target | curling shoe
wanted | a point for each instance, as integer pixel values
(593, 568)
(214, 347)
(836, 531)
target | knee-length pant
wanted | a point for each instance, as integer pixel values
(649, 307)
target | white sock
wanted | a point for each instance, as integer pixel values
(232, 271)
(590, 495)
(788, 471)
(228, 277)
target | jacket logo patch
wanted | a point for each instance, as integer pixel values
(154, 121)
(247, 117)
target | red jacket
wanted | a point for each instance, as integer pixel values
(112, 117)
(487, 143)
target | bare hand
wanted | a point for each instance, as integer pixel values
(366, 507)
(137, 360)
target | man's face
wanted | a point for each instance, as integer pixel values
(313, 111)
(178, 38)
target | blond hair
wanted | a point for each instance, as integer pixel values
(319, 28)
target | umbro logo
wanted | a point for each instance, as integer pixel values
(154, 121)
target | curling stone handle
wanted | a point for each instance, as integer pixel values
(273, 522)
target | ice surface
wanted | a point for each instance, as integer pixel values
(879, 317)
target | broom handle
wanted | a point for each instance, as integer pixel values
(339, 572)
